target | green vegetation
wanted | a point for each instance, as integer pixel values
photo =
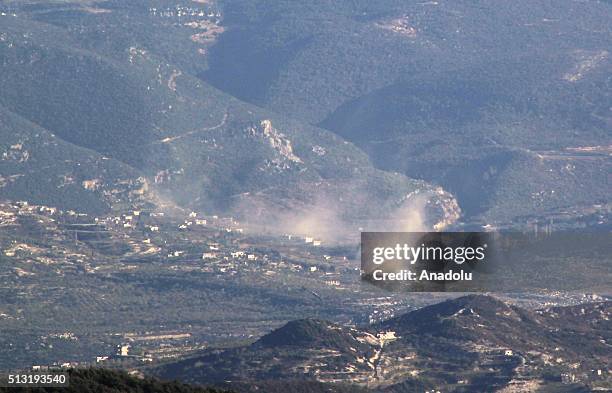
(120, 92)
(97, 380)
(468, 96)
(467, 344)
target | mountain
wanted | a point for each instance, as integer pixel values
(478, 330)
(135, 103)
(37, 166)
(298, 350)
(507, 106)
(268, 111)
(471, 343)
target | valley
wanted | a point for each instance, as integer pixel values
(184, 184)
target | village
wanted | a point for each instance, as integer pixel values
(204, 20)
(169, 283)
(43, 251)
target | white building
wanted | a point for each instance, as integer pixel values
(123, 350)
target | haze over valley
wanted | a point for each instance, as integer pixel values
(183, 184)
